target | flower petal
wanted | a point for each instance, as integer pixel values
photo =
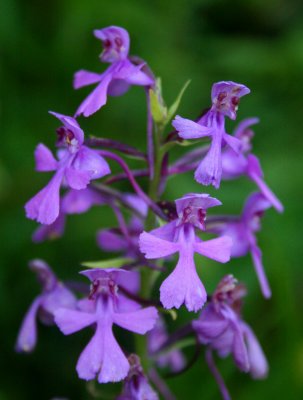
(257, 260)
(188, 129)
(154, 247)
(71, 321)
(140, 321)
(217, 249)
(44, 206)
(77, 179)
(132, 74)
(183, 285)
(44, 159)
(96, 99)
(27, 336)
(89, 160)
(50, 232)
(257, 359)
(85, 78)
(80, 201)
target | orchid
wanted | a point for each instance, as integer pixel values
(225, 99)
(183, 284)
(102, 357)
(77, 166)
(54, 295)
(116, 80)
(221, 328)
(152, 223)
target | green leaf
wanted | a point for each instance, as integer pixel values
(158, 108)
(174, 107)
(110, 263)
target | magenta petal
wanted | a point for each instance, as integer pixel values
(80, 201)
(44, 207)
(257, 359)
(27, 336)
(118, 87)
(96, 99)
(183, 285)
(103, 357)
(44, 159)
(140, 321)
(239, 349)
(132, 74)
(85, 78)
(209, 170)
(89, 160)
(188, 129)
(257, 260)
(165, 232)
(154, 247)
(70, 321)
(77, 179)
(217, 249)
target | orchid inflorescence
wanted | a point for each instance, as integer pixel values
(150, 231)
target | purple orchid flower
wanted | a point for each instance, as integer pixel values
(235, 164)
(136, 385)
(222, 329)
(103, 357)
(116, 80)
(242, 230)
(183, 284)
(73, 202)
(77, 166)
(225, 99)
(156, 338)
(54, 295)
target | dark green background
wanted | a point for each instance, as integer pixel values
(255, 42)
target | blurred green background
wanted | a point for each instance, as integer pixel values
(254, 42)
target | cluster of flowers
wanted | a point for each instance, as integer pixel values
(116, 296)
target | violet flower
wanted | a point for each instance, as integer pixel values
(116, 80)
(54, 295)
(174, 359)
(242, 230)
(136, 385)
(73, 202)
(183, 285)
(235, 164)
(102, 357)
(222, 329)
(225, 99)
(77, 166)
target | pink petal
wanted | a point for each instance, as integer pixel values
(77, 179)
(45, 161)
(183, 285)
(154, 247)
(90, 161)
(85, 78)
(140, 321)
(44, 207)
(27, 336)
(71, 321)
(257, 260)
(257, 359)
(217, 249)
(188, 129)
(96, 99)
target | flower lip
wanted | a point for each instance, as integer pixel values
(226, 97)
(192, 207)
(115, 43)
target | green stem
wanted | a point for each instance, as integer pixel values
(148, 277)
